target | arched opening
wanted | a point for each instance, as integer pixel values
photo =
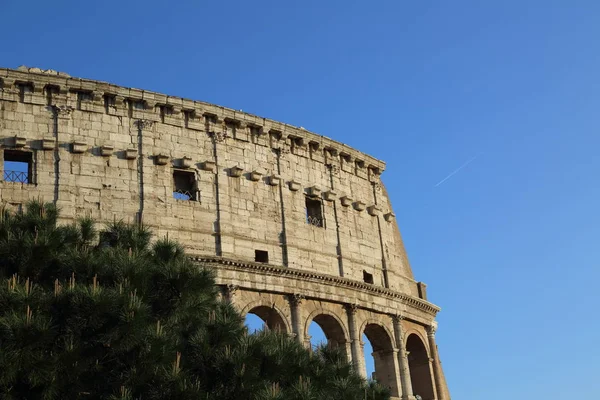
(317, 335)
(254, 323)
(384, 357)
(420, 369)
(368, 353)
(327, 329)
(269, 317)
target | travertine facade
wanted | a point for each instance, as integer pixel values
(298, 227)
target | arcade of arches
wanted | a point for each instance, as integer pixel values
(404, 352)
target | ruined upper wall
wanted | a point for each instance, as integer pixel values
(113, 153)
(97, 96)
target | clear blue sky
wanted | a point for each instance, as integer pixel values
(509, 245)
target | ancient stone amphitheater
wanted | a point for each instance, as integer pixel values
(298, 227)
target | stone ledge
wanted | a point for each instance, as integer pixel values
(420, 304)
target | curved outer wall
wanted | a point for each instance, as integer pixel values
(112, 153)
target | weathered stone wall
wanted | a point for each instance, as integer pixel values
(111, 152)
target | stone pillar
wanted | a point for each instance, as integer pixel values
(297, 319)
(307, 342)
(356, 345)
(433, 379)
(435, 362)
(348, 349)
(229, 292)
(141, 124)
(407, 392)
(387, 370)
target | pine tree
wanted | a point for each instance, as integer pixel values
(113, 315)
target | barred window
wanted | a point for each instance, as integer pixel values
(184, 185)
(18, 166)
(314, 212)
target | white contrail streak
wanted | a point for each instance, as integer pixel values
(456, 171)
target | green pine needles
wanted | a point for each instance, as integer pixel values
(114, 315)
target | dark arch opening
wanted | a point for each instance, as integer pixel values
(271, 318)
(334, 333)
(420, 369)
(383, 356)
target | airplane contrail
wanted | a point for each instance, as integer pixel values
(456, 170)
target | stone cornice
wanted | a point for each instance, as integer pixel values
(411, 301)
(152, 100)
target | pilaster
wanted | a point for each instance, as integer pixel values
(356, 344)
(435, 362)
(406, 385)
(296, 301)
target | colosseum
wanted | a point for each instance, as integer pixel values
(298, 227)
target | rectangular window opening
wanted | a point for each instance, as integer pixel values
(165, 111)
(230, 128)
(109, 101)
(84, 97)
(314, 212)
(422, 288)
(187, 115)
(261, 256)
(18, 166)
(184, 185)
(25, 92)
(51, 92)
(367, 277)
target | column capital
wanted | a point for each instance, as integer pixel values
(351, 308)
(398, 318)
(230, 288)
(431, 329)
(296, 299)
(144, 123)
(62, 110)
(219, 137)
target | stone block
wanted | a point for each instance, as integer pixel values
(106, 150)
(235, 171)
(314, 191)
(390, 216)
(255, 175)
(15, 141)
(346, 201)
(274, 180)
(45, 144)
(329, 195)
(161, 159)
(131, 153)
(183, 162)
(294, 186)
(78, 147)
(359, 205)
(373, 210)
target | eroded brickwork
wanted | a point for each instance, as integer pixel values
(298, 227)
